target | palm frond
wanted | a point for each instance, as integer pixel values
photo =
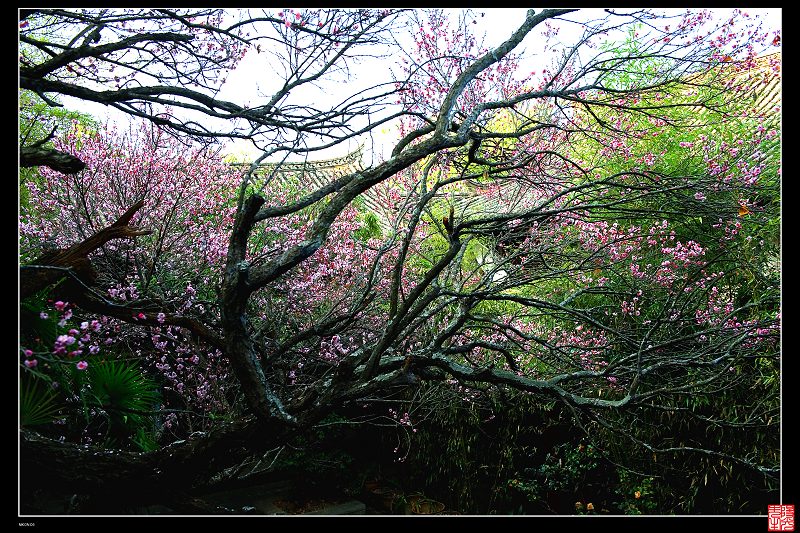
(37, 405)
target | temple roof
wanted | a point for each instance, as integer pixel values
(765, 91)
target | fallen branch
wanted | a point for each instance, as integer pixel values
(76, 256)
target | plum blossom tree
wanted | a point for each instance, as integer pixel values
(593, 232)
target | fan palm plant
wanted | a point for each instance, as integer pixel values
(125, 395)
(37, 405)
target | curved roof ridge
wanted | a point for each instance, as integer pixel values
(354, 157)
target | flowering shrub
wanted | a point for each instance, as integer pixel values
(188, 204)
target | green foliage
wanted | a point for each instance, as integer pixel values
(565, 469)
(37, 332)
(435, 244)
(122, 386)
(370, 228)
(464, 452)
(682, 482)
(37, 404)
(37, 120)
(571, 478)
(323, 457)
(126, 397)
(144, 439)
(636, 493)
(630, 67)
(698, 150)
